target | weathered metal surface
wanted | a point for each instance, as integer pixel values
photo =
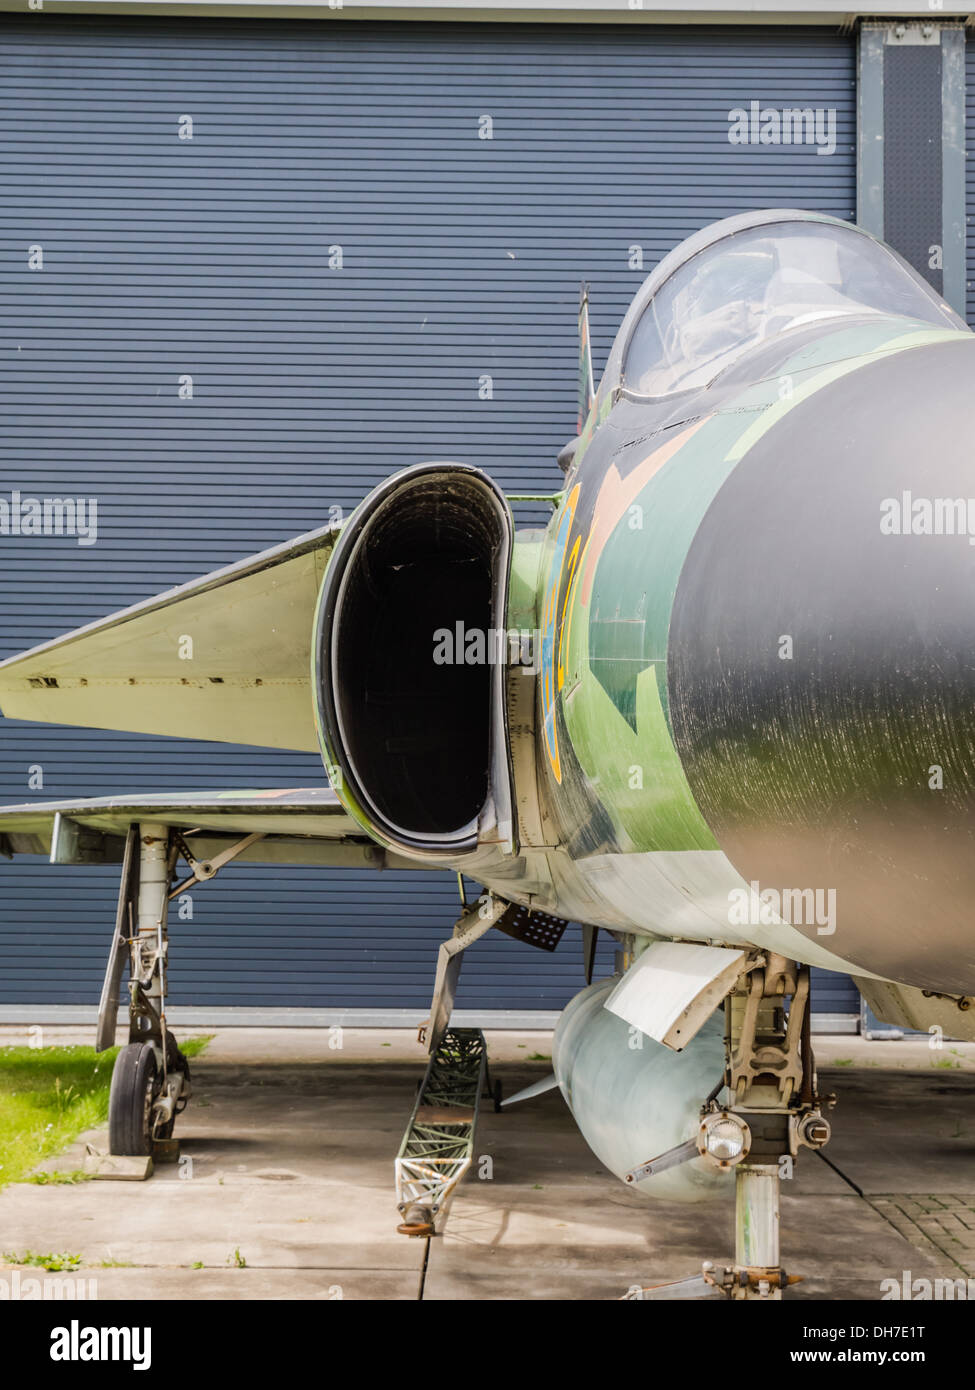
(816, 771)
(673, 988)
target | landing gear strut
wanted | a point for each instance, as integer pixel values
(151, 1079)
(771, 1110)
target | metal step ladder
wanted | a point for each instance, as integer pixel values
(438, 1146)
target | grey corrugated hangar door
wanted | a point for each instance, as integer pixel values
(249, 269)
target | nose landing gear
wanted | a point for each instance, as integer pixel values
(771, 1109)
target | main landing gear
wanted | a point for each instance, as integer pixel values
(151, 1079)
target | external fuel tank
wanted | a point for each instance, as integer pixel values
(634, 1099)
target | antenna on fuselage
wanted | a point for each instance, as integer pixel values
(587, 387)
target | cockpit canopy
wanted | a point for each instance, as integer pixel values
(752, 282)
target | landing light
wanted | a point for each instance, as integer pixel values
(724, 1138)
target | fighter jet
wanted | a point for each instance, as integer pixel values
(722, 708)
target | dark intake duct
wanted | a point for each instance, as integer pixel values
(421, 566)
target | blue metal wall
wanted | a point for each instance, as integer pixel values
(165, 257)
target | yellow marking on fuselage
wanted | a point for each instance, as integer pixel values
(573, 560)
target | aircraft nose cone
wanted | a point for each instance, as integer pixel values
(822, 664)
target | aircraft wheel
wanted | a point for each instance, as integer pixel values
(135, 1085)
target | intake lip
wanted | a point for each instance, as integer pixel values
(421, 748)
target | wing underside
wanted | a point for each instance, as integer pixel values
(294, 825)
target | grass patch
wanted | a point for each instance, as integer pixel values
(48, 1095)
(52, 1263)
(57, 1179)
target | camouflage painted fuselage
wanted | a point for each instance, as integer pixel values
(746, 680)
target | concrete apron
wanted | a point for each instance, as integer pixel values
(288, 1192)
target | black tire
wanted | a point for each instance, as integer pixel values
(135, 1085)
